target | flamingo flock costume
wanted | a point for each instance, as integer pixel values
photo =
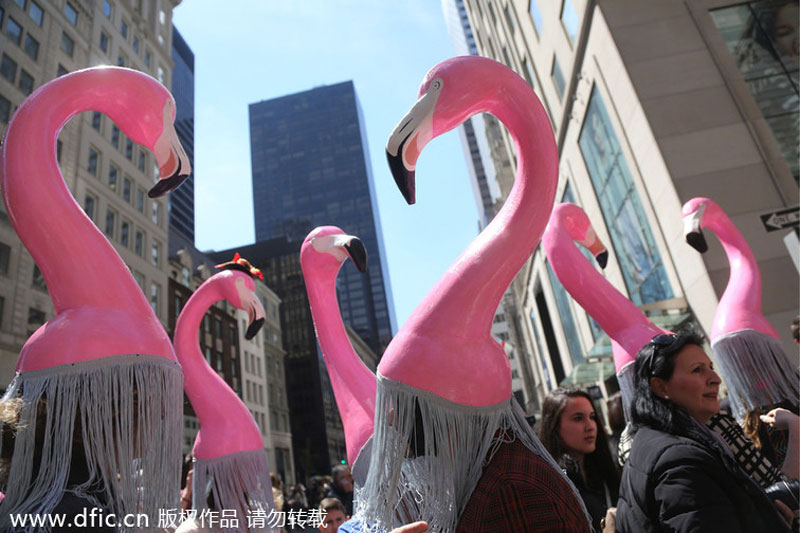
(625, 323)
(747, 349)
(104, 363)
(230, 463)
(444, 406)
(322, 255)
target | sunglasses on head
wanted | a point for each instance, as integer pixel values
(662, 340)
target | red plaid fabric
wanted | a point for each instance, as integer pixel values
(520, 492)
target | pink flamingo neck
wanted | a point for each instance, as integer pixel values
(217, 407)
(354, 385)
(740, 305)
(625, 323)
(44, 213)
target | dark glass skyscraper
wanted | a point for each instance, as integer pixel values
(181, 201)
(311, 167)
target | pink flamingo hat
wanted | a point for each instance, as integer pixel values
(230, 463)
(747, 349)
(105, 341)
(625, 323)
(443, 378)
(323, 253)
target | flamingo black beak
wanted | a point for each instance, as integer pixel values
(403, 177)
(256, 313)
(602, 258)
(693, 230)
(357, 253)
(173, 163)
(253, 328)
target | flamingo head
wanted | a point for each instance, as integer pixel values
(695, 218)
(238, 287)
(329, 245)
(451, 92)
(572, 218)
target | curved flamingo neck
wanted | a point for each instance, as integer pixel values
(625, 323)
(464, 300)
(65, 244)
(740, 305)
(354, 385)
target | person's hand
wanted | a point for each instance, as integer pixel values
(609, 522)
(781, 419)
(416, 527)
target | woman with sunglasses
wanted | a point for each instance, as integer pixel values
(680, 475)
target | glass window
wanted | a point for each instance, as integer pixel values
(139, 277)
(569, 17)
(113, 172)
(142, 160)
(61, 71)
(107, 8)
(509, 19)
(92, 166)
(67, 44)
(115, 136)
(20, 3)
(36, 318)
(138, 243)
(5, 109)
(140, 200)
(111, 223)
(156, 214)
(126, 189)
(123, 29)
(5, 256)
(71, 13)
(632, 239)
(104, 42)
(8, 69)
(129, 149)
(38, 280)
(31, 47)
(558, 77)
(147, 58)
(13, 30)
(36, 13)
(527, 72)
(136, 43)
(124, 233)
(566, 318)
(88, 205)
(155, 255)
(155, 295)
(25, 82)
(762, 38)
(121, 60)
(536, 15)
(97, 119)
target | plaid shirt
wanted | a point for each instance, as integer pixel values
(750, 458)
(520, 492)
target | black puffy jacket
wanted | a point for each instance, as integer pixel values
(687, 483)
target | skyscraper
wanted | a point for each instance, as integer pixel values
(311, 167)
(181, 201)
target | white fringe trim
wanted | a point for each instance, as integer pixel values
(237, 481)
(136, 469)
(360, 467)
(756, 370)
(436, 485)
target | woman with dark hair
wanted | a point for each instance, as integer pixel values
(680, 475)
(571, 431)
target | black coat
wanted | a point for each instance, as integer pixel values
(687, 483)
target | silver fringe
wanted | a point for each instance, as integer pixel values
(235, 482)
(756, 371)
(435, 486)
(360, 466)
(626, 377)
(132, 448)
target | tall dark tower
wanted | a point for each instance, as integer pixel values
(311, 167)
(181, 201)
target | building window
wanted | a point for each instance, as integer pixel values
(36, 319)
(147, 57)
(156, 254)
(635, 248)
(138, 243)
(8, 69)
(111, 223)
(139, 277)
(161, 75)
(113, 172)
(129, 149)
(104, 42)
(569, 18)
(155, 296)
(88, 205)
(61, 70)
(67, 44)
(527, 72)
(13, 30)
(20, 3)
(97, 119)
(25, 82)
(123, 29)
(536, 15)
(762, 38)
(59, 146)
(140, 200)
(5, 109)
(107, 8)
(136, 43)
(558, 77)
(156, 212)
(71, 13)
(38, 280)
(186, 280)
(92, 166)
(509, 19)
(36, 13)
(5, 256)
(126, 189)
(31, 47)
(115, 136)
(566, 318)
(121, 60)
(142, 160)
(124, 233)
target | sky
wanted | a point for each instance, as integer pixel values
(246, 52)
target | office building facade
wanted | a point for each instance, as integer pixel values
(181, 200)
